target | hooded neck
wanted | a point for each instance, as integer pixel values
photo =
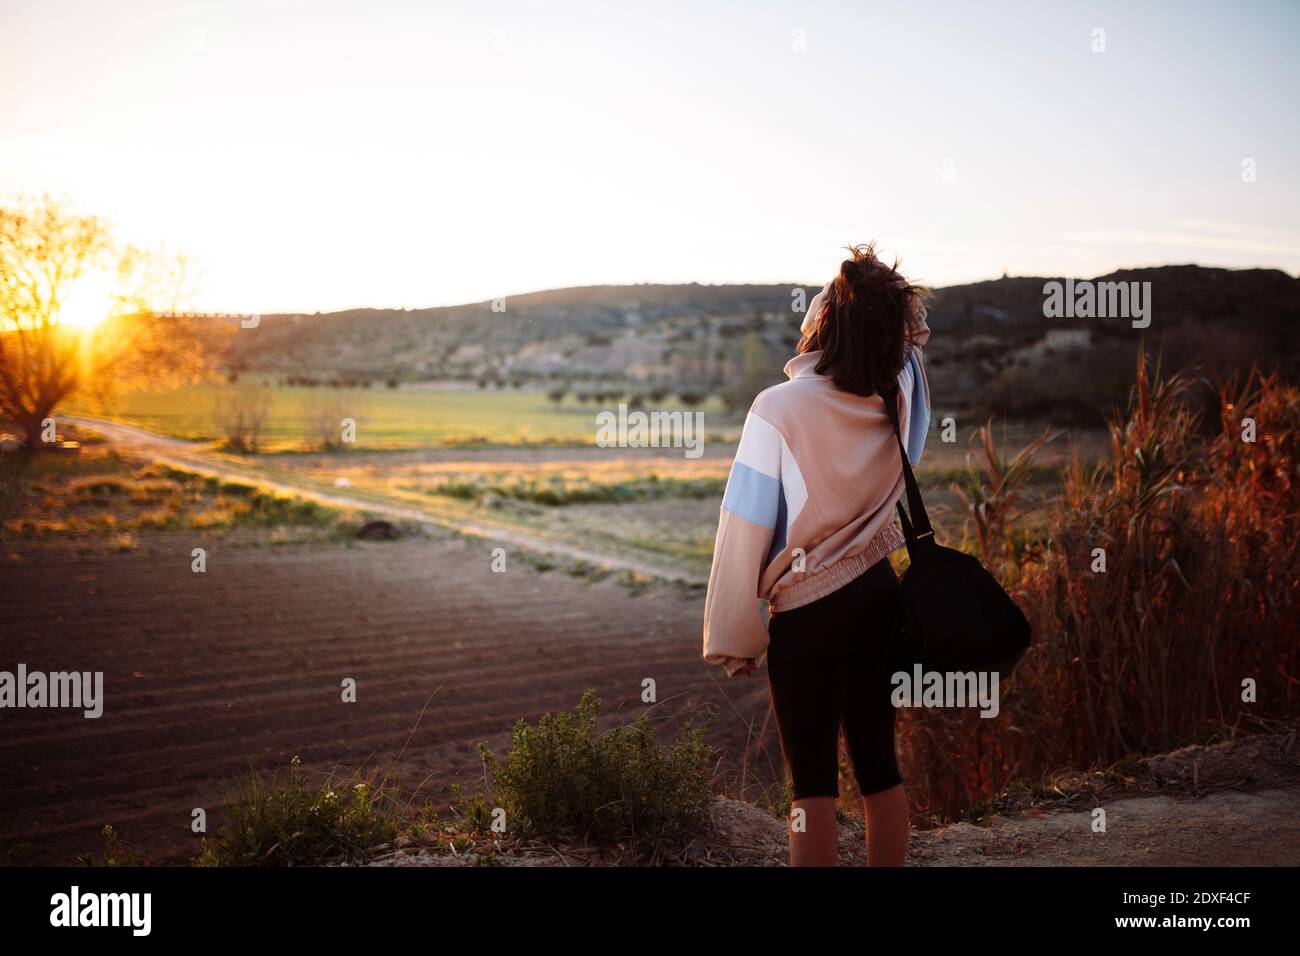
(804, 365)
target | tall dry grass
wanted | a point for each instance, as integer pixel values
(1201, 537)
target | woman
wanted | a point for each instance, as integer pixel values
(807, 525)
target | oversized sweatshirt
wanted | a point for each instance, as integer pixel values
(809, 503)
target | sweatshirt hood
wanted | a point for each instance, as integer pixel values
(804, 365)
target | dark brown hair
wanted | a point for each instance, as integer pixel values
(864, 325)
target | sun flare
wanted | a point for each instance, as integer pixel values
(88, 304)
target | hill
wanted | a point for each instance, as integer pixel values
(993, 348)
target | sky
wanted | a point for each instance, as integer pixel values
(324, 155)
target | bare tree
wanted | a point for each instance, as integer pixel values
(148, 339)
(44, 252)
(323, 415)
(241, 412)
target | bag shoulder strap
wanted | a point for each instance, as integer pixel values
(918, 526)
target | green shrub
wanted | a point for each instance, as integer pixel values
(270, 508)
(98, 486)
(562, 779)
(558, 491)
(114, 852)
(288, 821)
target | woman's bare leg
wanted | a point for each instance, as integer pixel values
(814, 834)
(888, 827)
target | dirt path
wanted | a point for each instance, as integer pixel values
(1221, 828)
(1217, 829)
(193, 456)
(1227, 828)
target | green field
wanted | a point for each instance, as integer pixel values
(386, 418)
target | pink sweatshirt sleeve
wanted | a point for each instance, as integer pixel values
(734, 624)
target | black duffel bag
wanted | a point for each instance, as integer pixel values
(953, 614)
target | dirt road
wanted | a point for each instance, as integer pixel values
(1216, 829)
(1221, 828)
(196, 457)
(1227, 828)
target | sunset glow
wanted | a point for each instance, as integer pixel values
(89, 303)
(312, 158)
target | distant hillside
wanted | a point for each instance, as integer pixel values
(993, 349)
(537, 335)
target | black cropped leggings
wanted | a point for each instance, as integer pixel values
(828, 665)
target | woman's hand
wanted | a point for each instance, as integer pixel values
(735, 666)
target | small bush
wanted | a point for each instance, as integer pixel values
(98, 486)
(559, 491)
(113, 853)
(241, 412)
(289, 821)
(152, 491)
(562, 779)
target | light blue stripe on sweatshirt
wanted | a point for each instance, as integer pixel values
(918, 424)
(752, 495)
